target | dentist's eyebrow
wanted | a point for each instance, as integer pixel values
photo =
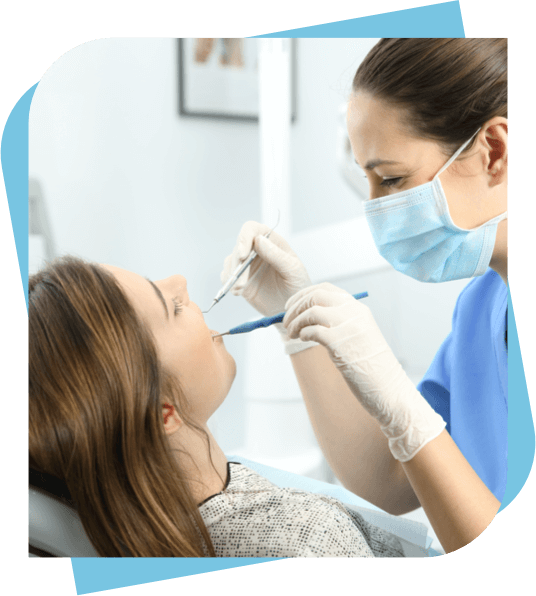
(379, 162)
(159, 294)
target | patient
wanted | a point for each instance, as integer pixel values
(123, 377)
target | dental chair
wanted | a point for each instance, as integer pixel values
(55, 530)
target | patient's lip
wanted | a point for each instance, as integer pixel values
(215, 338)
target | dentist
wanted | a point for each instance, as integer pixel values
(427, 121)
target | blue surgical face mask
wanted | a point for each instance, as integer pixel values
(413, 230)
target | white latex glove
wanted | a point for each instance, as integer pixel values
(271, 279)
(346, 327)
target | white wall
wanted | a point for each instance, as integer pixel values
(129, 182)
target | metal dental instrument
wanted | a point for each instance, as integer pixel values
(238, 272)
(267, 321)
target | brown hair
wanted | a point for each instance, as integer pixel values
(96, 389)
(448, 87)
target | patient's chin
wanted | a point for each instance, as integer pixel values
(232, 372)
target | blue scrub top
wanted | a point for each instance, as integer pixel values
(467, 382)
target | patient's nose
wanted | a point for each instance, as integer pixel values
(175, 283)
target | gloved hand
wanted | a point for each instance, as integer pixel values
(271, 279)
(346, 327)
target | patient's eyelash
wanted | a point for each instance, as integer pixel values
(178, 307)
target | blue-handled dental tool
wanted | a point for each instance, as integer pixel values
(238, 271)
(267, 321)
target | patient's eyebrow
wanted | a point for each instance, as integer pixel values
(159, 294)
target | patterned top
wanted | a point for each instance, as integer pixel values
(252, 517)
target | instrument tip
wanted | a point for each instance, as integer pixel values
(206, 311)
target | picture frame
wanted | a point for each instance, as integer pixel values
(218, 78)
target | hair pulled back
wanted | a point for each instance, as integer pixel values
(448, 87)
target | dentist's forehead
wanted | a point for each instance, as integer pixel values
(368, 114)
(378, 131)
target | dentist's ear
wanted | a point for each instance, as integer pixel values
(496, 140)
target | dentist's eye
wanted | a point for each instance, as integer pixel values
(388, 182)
(178, 307)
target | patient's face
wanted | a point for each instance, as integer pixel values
(184, 342)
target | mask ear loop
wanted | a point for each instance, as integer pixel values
(495, 219)
(456, 154)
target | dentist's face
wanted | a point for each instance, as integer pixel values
(383, 149)
(395, 160)
(184, 343)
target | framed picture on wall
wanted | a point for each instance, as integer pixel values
(219, 78)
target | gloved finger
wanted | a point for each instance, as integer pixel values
(249, 231)
(319, 296)
(322, 286)
(281, 260)
(243, 247)
(317, 333)
(316, 315)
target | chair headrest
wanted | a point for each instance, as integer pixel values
(55, 526)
